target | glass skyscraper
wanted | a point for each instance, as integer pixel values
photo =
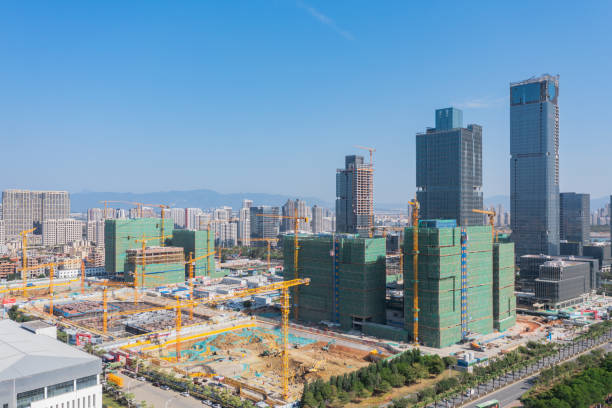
(534, 165)
(449, 169)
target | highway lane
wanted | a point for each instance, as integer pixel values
(511, 394)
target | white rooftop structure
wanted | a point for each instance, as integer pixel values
(38, 371)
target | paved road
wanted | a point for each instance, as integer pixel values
(157, 397)
(510, 395)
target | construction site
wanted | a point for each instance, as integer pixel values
(457, 298)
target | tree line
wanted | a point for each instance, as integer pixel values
(376, 379)
(591, 385)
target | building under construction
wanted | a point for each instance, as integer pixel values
(159, 266)
(122, 234)
(457, 301)
(347, 279)
(504, 300)
(197, 243)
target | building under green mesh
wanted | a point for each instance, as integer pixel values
(157, 274)
(195, 242)
(121, 235)
(439, 283)
(504, 300)
(348, 288)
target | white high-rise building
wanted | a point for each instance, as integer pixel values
(61, 231)
(25, 209)
(227, 233)
(95, 214)
(223, 214)
(244, 226)
(95, 232)
(288, 225)
(317, 219)
(2, 233)
(178, 216)
(190, 218)
(246, 203)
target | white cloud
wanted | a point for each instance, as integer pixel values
(322, 18)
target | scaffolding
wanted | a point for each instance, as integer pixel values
(347, 279)
(504, 300)
(442, 302)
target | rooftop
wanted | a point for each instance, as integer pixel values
(36, 325)
(24, 354)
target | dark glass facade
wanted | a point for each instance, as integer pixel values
(575, 217)
(534, 165)
(449, 170)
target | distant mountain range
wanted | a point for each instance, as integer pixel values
(207, 199)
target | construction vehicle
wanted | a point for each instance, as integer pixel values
(475, 345)
(269, 244)
(296, 247)
(415, 268)
(491, 215)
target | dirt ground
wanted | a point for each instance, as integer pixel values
(257, 360)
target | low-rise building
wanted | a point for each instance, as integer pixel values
(38, 371)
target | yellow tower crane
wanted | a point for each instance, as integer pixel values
(371, 150)
(296, 247)
(191, 262)
(143, 264)
(491, 215)
(105, 313)
(24, 257)
(415, 268)
(138, 206)
(285, 307)
(51, 266)
(269, 242)
(162, 207)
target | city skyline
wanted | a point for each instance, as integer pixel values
(89, 106)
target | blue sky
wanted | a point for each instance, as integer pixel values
(269, 95)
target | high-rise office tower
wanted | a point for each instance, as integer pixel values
(449, 169)
(574, 218)
(246, 203)
(354, 196)
(2, 233)
(534, 165)
(24, 209)
(264, 227)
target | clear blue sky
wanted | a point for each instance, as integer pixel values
(269, 95)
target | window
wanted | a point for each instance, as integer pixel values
(25, 398)
(59, 389)
(85, 382)
(89, 401)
